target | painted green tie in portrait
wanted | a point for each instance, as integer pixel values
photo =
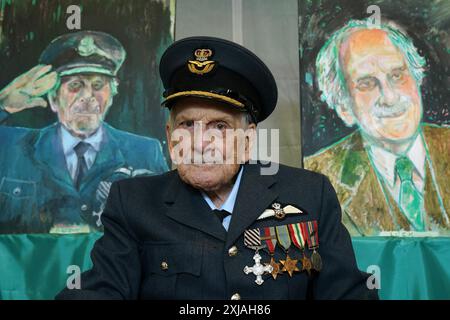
(410, 199)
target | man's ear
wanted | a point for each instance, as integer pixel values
(114, 86)
(168, 136)
(250, 140)
(346, 114)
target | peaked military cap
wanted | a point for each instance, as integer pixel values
(220, 70)
(84, 52)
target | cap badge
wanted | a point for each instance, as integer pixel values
(201, 65)
(87, 47)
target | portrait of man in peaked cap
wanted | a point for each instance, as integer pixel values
(56, 179)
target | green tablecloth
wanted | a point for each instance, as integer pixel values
(35, 266)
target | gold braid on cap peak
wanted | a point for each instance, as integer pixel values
(206, 94)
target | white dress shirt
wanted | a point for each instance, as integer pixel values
(69, 142)
(228, 205)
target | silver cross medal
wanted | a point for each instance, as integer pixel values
(258, 269)
(252, 240)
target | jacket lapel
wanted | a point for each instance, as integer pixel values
(381, 211)
(47, 151)
(187, 206)
(437, 142)
(254, 196)
(361, 193)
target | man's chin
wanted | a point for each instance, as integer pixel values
(400, 133)
(204, 166)
(202, 181)
(207, 177)
(83, 131)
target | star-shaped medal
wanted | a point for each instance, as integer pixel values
(306, 263)
(276, 268)
(289, 265)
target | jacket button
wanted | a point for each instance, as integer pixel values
(84, 207)
(164, 266)
(236, 296)
(232, 251)
(17, 191)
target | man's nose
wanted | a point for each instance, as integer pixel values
(389, 95)
(202, 138)
(87, 94)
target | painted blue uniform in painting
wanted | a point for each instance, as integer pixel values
(37, 191)
(41, 188)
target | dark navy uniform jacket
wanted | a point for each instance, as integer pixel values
(36, 190)
(161, 241)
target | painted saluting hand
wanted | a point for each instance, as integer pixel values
(26, 91)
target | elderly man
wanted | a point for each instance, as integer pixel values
(392, 173)
(57, 179)
(217, 228)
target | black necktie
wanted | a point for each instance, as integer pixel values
(221, 214)
(80, 149)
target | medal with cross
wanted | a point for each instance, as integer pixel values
(252, 240)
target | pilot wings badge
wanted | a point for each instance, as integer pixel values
(278, 211)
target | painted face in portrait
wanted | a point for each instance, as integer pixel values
(386, 102)
(82, 102)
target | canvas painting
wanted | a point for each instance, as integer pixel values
(375, 111)
(79, 107)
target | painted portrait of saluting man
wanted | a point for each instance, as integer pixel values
(56, 179)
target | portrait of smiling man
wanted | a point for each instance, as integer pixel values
(56, 179)
(391, 174)
(216, 227)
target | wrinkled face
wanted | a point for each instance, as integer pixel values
(386, 100)
(208, 141)
(82, 102)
